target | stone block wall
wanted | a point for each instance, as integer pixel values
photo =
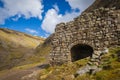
(99, 29)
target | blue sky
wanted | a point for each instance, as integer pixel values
(39, 17)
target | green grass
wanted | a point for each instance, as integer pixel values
(27, 66)
(43, 52)
(65, 71)
(111, 66)
(109, 63)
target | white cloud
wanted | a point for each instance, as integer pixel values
(3, 15)
(43, 37)
(31, 31)
(16, 17)
(52, 18)
(80, 4)
(26, 8)
(56, 7)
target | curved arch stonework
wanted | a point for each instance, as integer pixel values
(80, 51)
(99, 29)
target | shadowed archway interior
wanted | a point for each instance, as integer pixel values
(81, 51)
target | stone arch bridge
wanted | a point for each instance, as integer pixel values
(90, 34)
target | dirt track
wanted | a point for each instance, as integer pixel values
(17, 75)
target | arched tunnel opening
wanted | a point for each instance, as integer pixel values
(81, 51)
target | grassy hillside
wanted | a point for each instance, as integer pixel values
(110, 65)
(16, 39)
(44, 49)
(17, 48)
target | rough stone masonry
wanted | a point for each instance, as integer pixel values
(89, 35)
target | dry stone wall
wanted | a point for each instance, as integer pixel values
(99, 29)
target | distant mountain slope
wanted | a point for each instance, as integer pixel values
(44, 49)
(16, 39)
(17, 48)
(104, 3)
